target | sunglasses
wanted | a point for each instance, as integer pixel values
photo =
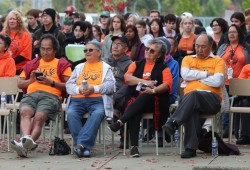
(89, 50)
(150, 50)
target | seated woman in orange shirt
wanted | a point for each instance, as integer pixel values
(153, 96)
(7, 63)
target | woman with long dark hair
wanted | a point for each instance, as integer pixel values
(136, 49)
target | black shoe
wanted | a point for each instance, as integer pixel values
(134, 153)
(188, 153)
(170, 126)
(243, 140)
(115, 126)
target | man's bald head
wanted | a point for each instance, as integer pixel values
(203, 45)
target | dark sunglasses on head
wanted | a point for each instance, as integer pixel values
(89, 50)
(150, 50)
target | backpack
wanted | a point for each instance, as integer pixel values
(223, 148)
(60, 147)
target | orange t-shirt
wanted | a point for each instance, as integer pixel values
(21, 46)
(187, 44)
(237, 61)
(211, 64)
(245, 72)
(166, 74)
(92, 72)
(7, 65)
(49, 69)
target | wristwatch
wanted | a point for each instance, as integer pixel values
(53, 84)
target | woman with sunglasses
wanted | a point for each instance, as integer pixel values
(235, 54)
(91, 88)
(7, 63)
(149, 84)
(136, 49)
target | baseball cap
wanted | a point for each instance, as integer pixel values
(122, 37)
(186, 14)
(105, 13)
(74, 13)
(70, 8)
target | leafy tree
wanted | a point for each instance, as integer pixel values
(5, 5)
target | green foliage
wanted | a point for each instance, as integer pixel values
(246, 4)
(188, 6)
(5, 5)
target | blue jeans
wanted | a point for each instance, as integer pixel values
(85, 134)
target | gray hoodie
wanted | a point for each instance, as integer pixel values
(119, 68)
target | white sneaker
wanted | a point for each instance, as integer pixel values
(28, 143)
(18, 147)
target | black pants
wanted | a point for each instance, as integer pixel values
(192, 106)
(133, 114)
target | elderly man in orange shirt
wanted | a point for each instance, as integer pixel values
(204, 76)
(42, 100)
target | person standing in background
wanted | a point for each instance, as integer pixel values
(21, 42)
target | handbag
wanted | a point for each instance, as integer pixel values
(60, 147)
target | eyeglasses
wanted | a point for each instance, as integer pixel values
(89, 50)
(215, 25)
(150, 50)
(104, 17)
(119, 45)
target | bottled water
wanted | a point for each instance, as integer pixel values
(214, 147)
(85, 84)
(177, 138)
(3, 100)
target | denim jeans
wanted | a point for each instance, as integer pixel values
(85, 134)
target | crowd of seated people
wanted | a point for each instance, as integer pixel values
(129, 65)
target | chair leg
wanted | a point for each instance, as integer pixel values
(8, 131)
(125, 138)
(181, 138)
(164, 141)
(14, 115)
(61, 122)
(213, 126)
(103, 136)
(156, 144)
(4, 126)
(230, 126)
(51, 128)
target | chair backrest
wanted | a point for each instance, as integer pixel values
(239, 87)
(8, 85)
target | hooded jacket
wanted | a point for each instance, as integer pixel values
(107, 88)
(119, 68)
